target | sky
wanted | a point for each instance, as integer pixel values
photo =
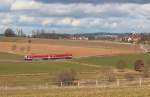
(75, 16)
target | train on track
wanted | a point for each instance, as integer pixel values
(48, 56)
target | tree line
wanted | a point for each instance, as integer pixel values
(145, 37)
(35, 34)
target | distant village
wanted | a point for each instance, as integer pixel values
(134, 37)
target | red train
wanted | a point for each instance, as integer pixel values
(49, 56)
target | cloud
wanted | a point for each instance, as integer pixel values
(78, 16)
(75, 23)
(25, 5)
(25, 18)
(6, 18)
(80, 9)
(58, 8)
(6, 2)
(83, 22)
(95, 1)
(67, 21)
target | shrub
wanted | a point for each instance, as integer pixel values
(67, 77)
(139, 65)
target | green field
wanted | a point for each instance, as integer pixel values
(112, 60)
(49, 71)
(14, 64)
(90, 92)
(38, 67)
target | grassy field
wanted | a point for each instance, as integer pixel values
(112, 60)
(48, 71)
(38, 67)
(90, 92)
(14, 64)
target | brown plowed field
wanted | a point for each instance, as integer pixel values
(77, 48)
